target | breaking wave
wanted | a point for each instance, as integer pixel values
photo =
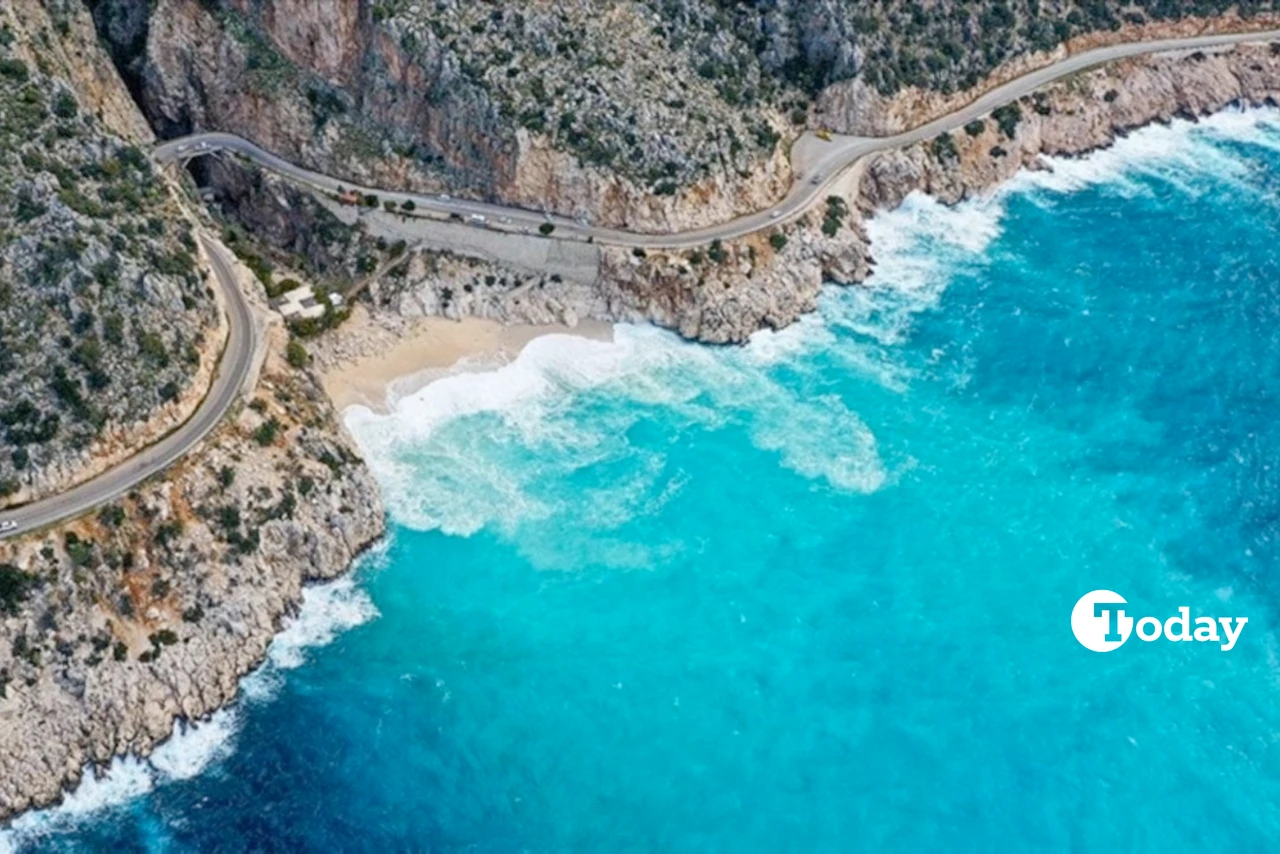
(326, 611)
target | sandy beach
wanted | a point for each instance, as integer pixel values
(431, 348)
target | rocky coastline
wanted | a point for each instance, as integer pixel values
(153, 610)
(115, 625)
(724, 293)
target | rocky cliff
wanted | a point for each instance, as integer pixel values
(724, 293)
(1075, 116)
(578, 105)
(108, 329)
(655, 115)
(113, 627)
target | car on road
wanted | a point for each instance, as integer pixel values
(774, 214)
(7, 526)
(444, 197)
(506, 220)
(817, 178)
(477, 219)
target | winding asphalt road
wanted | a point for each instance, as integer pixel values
(233, 370)
(829, 159)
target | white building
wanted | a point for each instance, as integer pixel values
(303, 303)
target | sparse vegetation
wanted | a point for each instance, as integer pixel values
(836, 211)
(102, 306)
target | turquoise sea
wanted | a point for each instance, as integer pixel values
(813, 594)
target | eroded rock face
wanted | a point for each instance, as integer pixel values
(114, 625)
(1081, 114)
(575, 108)
(154, 608)
(757, 286)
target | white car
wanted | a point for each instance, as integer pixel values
(444, 197)
(774, 214)
(7, 526)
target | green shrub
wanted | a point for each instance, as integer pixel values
(15, 586)
(1007, 118)
(112, 515)
(944, 147)
(164, 637)
(65, 106)
(296, 354)
(267, 432)
(14, 69)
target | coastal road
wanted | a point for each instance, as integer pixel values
(829, 159)
(233, 369)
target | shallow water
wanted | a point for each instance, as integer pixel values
(813, 594)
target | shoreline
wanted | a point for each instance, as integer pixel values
(403, 362)
(394, 362)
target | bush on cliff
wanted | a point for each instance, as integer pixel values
(15, 586)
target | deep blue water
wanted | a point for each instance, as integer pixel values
(814, 595)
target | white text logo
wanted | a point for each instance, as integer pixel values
(1102, 621)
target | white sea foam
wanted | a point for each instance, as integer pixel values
(920, 246)
(327, 611)
(488, 449)
(1167, 152)
(194, 747)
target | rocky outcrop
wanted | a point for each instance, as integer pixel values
(751, 284)
(720, 295)
(855, 107)
(549, 106)
(1075, 116)
(115, 626)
